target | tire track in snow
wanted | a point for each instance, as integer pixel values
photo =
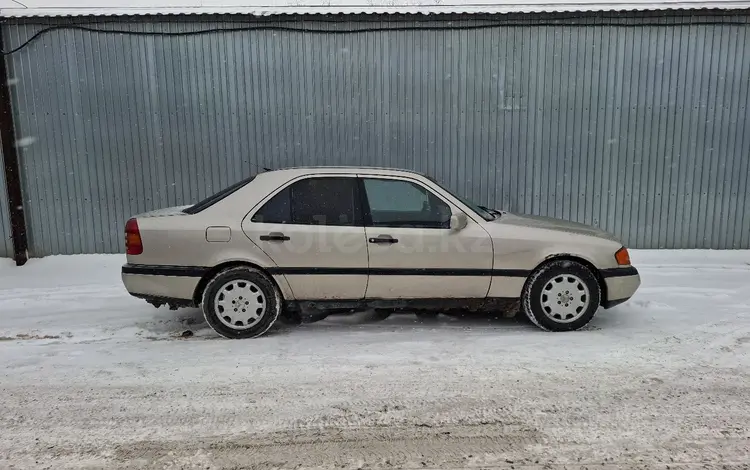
(347, 447)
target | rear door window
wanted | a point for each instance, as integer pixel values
(314, 201)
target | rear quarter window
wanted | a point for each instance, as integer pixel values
(276, 211)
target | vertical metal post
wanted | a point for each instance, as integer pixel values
(12, 167)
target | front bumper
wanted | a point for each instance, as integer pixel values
(621, 284)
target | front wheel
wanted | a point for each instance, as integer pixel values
(561, 295)
(241, 302)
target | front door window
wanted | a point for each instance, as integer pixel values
(412, 251)
(398, 203)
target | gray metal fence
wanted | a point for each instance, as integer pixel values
(639, 128)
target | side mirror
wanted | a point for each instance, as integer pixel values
(458, 221)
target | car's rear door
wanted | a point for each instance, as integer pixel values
(413, 252)
(312, 229)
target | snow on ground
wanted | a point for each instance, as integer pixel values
(91, 377)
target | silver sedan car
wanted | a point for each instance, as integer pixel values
(303, 243)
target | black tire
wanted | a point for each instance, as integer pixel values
(554, 270)
(271, 293)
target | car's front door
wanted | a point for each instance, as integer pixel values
(312, 229)
(413, 252)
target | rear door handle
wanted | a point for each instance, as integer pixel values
(274, 237)
(385, 239)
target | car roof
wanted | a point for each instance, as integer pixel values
(372, 170)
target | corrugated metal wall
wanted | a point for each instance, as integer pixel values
(6, 242)
(641, 130)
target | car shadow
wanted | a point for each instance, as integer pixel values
(175, 324)
(358, 321)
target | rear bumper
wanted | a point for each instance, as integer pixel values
(159, 285)
(621, 284)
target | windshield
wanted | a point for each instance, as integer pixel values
(485, 213)
(481, 211)
(214, 198)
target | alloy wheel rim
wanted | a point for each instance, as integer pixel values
(565, 298)
(240, 304)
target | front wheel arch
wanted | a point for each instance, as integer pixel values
(538, 295)
(577, 259)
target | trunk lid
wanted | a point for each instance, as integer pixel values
(166, 212)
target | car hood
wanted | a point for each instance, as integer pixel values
(548, 223)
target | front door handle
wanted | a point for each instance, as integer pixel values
(274, 237)
(385, 239)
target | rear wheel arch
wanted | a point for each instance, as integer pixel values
(570, 257)
(213, 272)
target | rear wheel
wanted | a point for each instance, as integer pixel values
(561, 295)
(241, 302)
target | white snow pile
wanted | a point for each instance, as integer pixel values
(81, 298)
(93, 378)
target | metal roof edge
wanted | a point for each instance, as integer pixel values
(503, 8)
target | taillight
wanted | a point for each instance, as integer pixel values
(622, 256)
(133, 243)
